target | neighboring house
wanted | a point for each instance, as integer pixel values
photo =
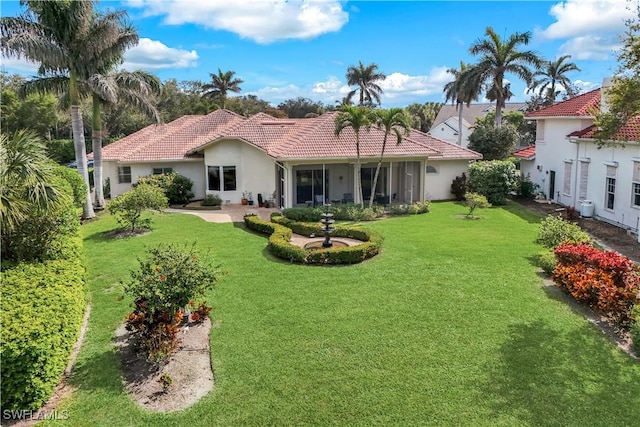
(445, 125)
(298, 160)
(570, 168)
(527, 158)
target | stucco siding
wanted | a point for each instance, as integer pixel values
(438, 184)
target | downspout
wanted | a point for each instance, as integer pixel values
(575, 180)
(282, 195)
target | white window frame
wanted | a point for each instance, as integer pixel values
(540, 125)
(635, 184)
(162, 170)
(123, 176)
(583, 180)
(221, 183)
(610, 188)
(566, 178)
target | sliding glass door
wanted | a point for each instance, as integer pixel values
(309, 186)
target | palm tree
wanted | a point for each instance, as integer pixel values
(366, 79)
(131, 88)
(356, 118)
(26, 177)
(66, 39)
(499, 57)
(462, 90)
(221, 83)
(392, 120)
(553, 73)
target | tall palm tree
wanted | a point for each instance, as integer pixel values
(122, 87)
(26, 178)
(462, 90)
(68, 39)
(551, 74)
(499, 57)
(220, 85)
(356, 118)
(366, 78)
(392, 120)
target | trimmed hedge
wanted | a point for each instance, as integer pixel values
(280, 230)
(42, 308)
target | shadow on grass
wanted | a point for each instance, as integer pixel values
(522, 212)
(549, 377)
(98, 371)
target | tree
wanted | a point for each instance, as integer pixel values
(552, 74)
(356, 118)
(462, 90)
(27, 179)
(300, 107)
(392, 120)
(526, 129)
(494, 179)
(366, 78)
(475, 201)
(493, 142)
(498, 57)
(220, 85)
(69, 41)
(129, 207)
(423, 115)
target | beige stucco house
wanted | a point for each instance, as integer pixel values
(296, 160)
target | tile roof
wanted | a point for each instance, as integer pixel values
(527, 153)
(311, 138)
(628, 132)
(578, 106)
(473, 111)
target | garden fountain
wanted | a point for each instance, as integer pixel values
(327, 220)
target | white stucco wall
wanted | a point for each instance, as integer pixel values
(192, 169)
(255, 171)
(447, 131)
(528, 169)
(438, 184)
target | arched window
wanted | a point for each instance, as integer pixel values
(431, 169)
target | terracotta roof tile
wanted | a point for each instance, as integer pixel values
(578, 106)
(527, 153)
(629, 132)
(312, 138)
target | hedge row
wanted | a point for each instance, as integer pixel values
(280, 230)
(42, 308)
(607, 281)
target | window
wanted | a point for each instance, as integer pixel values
(431, 169)
(584, 180)
(635, 186)
(540, 130)
(124, 174)
(610, 189)
(159, 171)
(566, 183)
(221, 178)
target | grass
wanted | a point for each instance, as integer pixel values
(449, 325)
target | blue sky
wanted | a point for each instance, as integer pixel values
(285, 49)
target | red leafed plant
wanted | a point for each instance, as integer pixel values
(607, 281)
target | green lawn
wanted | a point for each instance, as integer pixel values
(449, 325)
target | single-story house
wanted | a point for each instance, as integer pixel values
(296, 161)
(570, 168)
(445, 125)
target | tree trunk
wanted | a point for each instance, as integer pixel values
(96, 138)
(498, 113)
(358, 182)
(460, 124)
(81, 158)
(375, 177)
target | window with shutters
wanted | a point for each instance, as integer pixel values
(635, 185)
(540, 131)
(584, 180)
(566, 179)
(610, 189)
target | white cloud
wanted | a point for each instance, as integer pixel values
(154, 55)
(13, 63)
(259, 20)
(332, 89)
(590, 47)
(586, 86)
(275, 94)
(581, 17)
(398, 85)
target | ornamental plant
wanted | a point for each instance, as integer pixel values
(607, 281)
(475, 201)
(494, 179)
(129, 207)
(555, 230)
(176, 187)
(167, 279)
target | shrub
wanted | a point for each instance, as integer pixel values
(459, 187)
(303, 214)
(546, 261)
(634, 330)
(607, 281)
(494, 179)
(280, 233)
(130, 206)
(73, 178)
(555, 230)
(475, 201)
(164, 283)
(61, 150)
(212, 200)
(42, 308)
(106, 188)
(176, 187)
(527, 189)
(410, 209)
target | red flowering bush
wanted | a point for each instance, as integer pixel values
(165, 282)
(607, 281)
